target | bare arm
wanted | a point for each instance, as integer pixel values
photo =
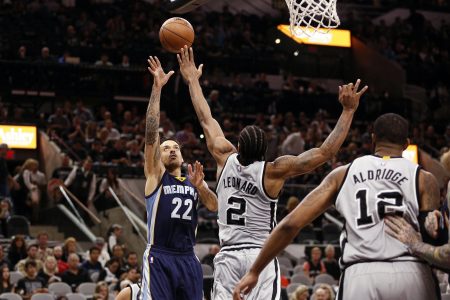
(196, 177)
(314, 204)
(404, 232)
(219, 147)
(429, 192)
(153, 167)
(289, 166)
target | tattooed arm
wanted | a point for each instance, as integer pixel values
(153, 167)
(288, 166)
(314, 204)
(405, 233)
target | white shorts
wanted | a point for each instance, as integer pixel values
(388, 281)
(232, 263)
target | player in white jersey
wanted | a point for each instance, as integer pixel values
(248, 187)
(376, 266)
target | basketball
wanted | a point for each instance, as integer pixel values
(175, 33)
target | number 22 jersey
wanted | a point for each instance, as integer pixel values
(246, 212)
(172, 214)
(373, 188)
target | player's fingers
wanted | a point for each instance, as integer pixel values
(153, 63)
(200, 68)
(157, 61)
(340, 89)
(357, 85)
(190, 170)
(170, 73)
(191, 54)
(179, 59)
(185, 53)
(362, 91)
(391, 232)
(392, 223)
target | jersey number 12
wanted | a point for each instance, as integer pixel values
(395, 205)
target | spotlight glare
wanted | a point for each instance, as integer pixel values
(277, 41)
(202, 136)
(296, 53)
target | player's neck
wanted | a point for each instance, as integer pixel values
(388, 150)
(176, 172)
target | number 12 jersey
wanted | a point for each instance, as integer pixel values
(373, 188)
(246, 212)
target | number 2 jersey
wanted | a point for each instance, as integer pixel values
(172, 214)
(246, 212)
(374, 187)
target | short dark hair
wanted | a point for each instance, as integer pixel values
(252, 145)
(30, 263)
(92, 249)
(117, 246)
(171, 139)
(131, 253)
(391, 128)
(31, 246)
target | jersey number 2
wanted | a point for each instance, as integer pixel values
(178, 202)
(383, 207)
(235, 212)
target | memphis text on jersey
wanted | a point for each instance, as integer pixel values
(380, 174)
(239, 184)
(180, 189)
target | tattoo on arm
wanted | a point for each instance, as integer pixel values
(431, 193)
(439, 256)
(152, 122)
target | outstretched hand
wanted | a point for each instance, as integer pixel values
(402, 231)
(195, 174)
(349, 95)
(187, 65)
(245, 286)
(159, 77)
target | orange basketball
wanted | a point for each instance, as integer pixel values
(175, 33)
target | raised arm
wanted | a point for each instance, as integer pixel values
(288, 166)
(153, 167)
(314, 204)
(219, 147)
(196, 177)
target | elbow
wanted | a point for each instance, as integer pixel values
(326, 153)
(288, 226)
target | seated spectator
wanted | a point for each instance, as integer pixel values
(111, 271)
(208, 259)
(97, 152)
(324, 292)
(43, 249)
(50, 270)
(82, 182)
(104, 255)
(115, 232)
(91, 132)
(294, 143)
(75, 275)
(134, 155)
(17, 251)
(132, 276)
(31, 283)
(330, 263)
(104, 61)
(117, 154)
(106, 200)
(6, 286)
(301, 293)
(83, 112)
(5, 213)
(62, 264)
(32, 255)
(313, 266)
(119, 253)
(64, 170)
(3, 259)
(101, 291)
(186, 136)
(58, 122)
(113, 133)
(92, 265)
(132, 261)
(70, 246)
(290, 206)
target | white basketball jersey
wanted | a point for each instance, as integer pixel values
(374, 187)
(246, 212)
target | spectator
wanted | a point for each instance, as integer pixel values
(44, 250)
(6, 286)
(132, 261)
(324, 292)
(294, 143)
(101, 291)
(134, 155)
(113, 133)
(92, 265)
(104, 61)
(32, 255)
(290, 206)
(330, 262)
(208, 259)
(81, 182)
(117, 154)
(17, 251)
(64, 170)
(31, 283)
(75, 275)
(82, 112)
(97, 152)
(70, 246)
(118, 252)
(45, 55)
(111, 271)
(50, 270)
(214, 103)
(5, 177)
(5, 213)
(132, 276)
(105, 200)
(91, 132)
(301, 293)
(125, 61)
(22, 53)
(104, 255)
(313, 266)
(3, 259)
(186, 136)
(115, 233)
(62, 264)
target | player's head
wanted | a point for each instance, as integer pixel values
(252, 145)
(392, 129)
(171, 154)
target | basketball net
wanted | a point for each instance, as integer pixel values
(311, 16)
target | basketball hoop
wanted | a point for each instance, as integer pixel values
(311, 16)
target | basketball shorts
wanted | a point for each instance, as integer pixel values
(388, 281)
(232, 263)
(169, 275)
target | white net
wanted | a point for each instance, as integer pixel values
(311, 16)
